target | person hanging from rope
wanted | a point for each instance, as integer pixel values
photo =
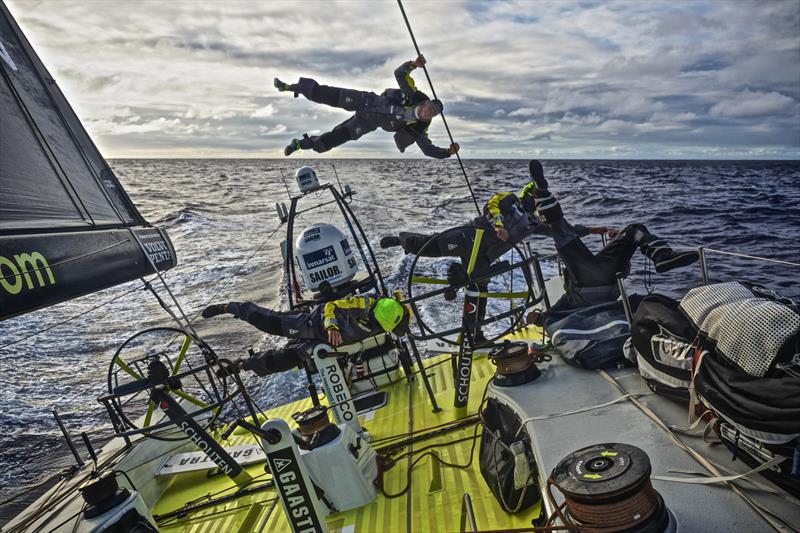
(510, 217)
(406, 111)
(336, 322)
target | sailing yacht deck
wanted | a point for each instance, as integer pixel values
(562, 389)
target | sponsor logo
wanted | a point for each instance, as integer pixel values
(16, 274)
(281, 464)
(346, 247)
(204, 445)
(337, 392)
(451, 247)
(320, 257)
(294, 493)
(464, 373)
(321, 275)
(5, 56)
(157, 250)
(311, 235)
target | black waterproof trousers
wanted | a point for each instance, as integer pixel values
(277, 360)
(592, 278)
(347, 99)
(291, 324)
(458, 242)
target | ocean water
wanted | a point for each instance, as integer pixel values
(221, 217)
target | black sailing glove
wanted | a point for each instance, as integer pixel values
(214, 310)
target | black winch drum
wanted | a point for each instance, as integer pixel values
(609, 481)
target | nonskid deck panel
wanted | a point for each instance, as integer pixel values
(436, 491)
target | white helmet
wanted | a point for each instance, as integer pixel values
(307, 179)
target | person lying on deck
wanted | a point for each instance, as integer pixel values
(406, 111)
(509, 217)
(591, 278)
(336, 322)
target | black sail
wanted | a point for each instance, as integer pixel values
(67, 227)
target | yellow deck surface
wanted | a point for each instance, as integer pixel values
(433, 502)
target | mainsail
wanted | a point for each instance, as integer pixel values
(67, 227)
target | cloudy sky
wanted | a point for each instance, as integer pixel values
(647, 79)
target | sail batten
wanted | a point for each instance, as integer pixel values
(67, 226)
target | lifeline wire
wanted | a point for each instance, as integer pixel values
(444, 120)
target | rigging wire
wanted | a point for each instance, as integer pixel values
(389, 206)
(232, 276)
(70, 319)
(433, 91)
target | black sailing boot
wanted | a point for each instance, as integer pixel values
(306, 143)
(545, 203)
(668, 259)
(282, 86)
(390, 241)
(664, 257)
(537, 175)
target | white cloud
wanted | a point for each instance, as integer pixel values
(559, 75)
(753, 104)
(524, 112)
(161, 124)
(278, 129)
(263, 112)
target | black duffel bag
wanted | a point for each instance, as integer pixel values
(664, 342)
(593, 336)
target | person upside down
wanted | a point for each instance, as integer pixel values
(509, 217)
(591, 278)
(406, 111)
(336, 322)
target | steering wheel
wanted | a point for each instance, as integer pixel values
(172, 352)
(515, 314)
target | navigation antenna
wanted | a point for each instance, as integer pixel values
(433, 91)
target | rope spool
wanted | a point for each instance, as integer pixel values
(607, 487)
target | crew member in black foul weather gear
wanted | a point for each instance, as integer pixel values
(506, 220)
(509, 217)
(591, 278)
(337, 322)
(406, 111)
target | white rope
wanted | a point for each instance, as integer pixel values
(774, 521)
(702, 480)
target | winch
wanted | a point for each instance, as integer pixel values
(607, 487)
(315, 426)
(516, 363)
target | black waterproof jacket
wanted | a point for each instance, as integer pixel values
(408, 134)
